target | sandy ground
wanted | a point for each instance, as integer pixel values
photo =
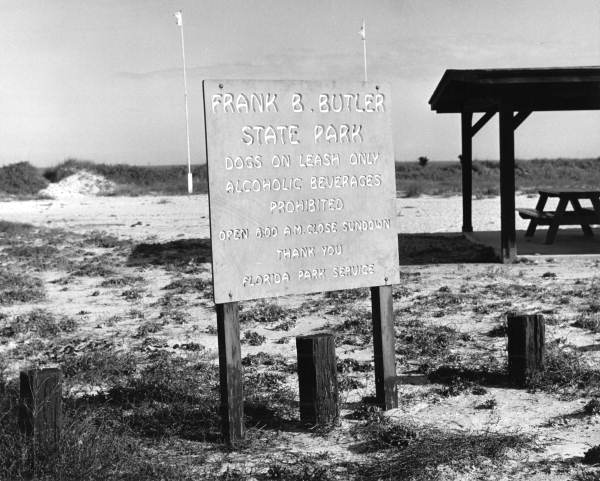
(173, 217)
(560, 436)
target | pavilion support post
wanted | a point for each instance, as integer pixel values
(466, 162)
(508, 245)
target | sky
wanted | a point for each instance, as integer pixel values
(102, 80)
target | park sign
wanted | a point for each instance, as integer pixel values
(301, 187)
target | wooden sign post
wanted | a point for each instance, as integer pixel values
(230, 372)
(302, 198)
(384, 347)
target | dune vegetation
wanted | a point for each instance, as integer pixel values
(413, 178)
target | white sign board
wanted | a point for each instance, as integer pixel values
(301, 187)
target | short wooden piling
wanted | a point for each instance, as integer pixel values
(317, 377)
(526, 346)
(40, 410)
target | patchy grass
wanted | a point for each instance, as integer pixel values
(20, 288)
(95, 267)
(41, 323)
(122, 281)
(148, 327)
(565, 372)
(266, 312)
(172, 396)
(14, 228)
(104, 240)
(96, 366)
(253, 338)
(93, 446)
(272, 361)
(468, 374)
(440, 303)
(407, 451)
(133, 294)
(417, 340)
(90, 449)
(171, 302)
(356, 329)
(39, 257)
(194, 285)
(269, 401)
(348, 295)
(590, 322)
(175, 316)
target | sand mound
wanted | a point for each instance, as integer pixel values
(81, 183)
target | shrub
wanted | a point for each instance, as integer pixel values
(41, 322)
(253, 338)
(135, 179)
(14, 228)
(413, 189)
(265, 311)
(565, 370)
(21, 178)
(417, 340)
(16, 287)
(148, 327)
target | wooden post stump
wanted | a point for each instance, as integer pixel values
(526, 346)
(230, 373)
(317, 378)
(40, 411)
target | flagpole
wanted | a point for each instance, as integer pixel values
(364, 39)
(179, 17)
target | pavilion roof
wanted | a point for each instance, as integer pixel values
(522, 89)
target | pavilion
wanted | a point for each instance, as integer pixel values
(514, 94)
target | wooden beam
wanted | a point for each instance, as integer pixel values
(230, 371)
(384, 344)
(481, 122)
(508, 245)
(466, 164)
(520, 117)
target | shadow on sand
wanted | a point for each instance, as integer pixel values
(175, 253)
(418, 249)
(414, 249)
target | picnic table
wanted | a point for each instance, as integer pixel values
(583, 216)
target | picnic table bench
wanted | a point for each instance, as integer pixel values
(561, 216)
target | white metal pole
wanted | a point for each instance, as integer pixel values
(364, 39)
(185, 95)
